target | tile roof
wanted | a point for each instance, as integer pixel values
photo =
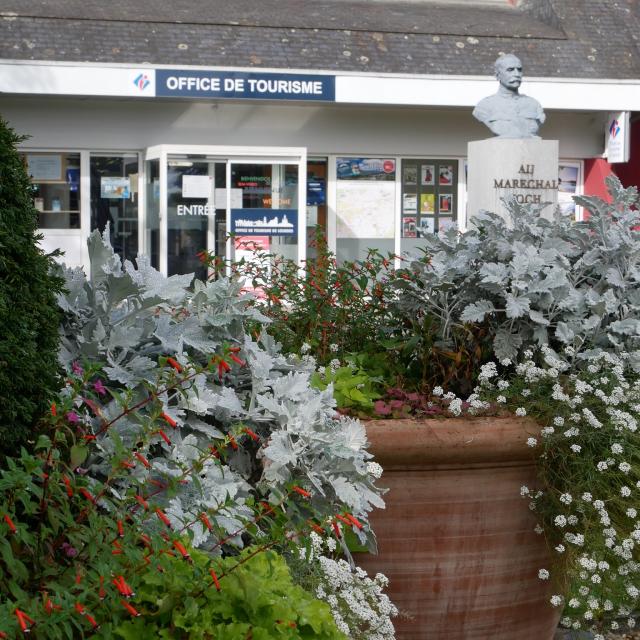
(555, 38)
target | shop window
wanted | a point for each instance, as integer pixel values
(114, 200)
(56, 188)
(365, 206)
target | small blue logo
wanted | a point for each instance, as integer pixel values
(614, 129)
(142, 81)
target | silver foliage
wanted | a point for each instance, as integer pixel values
(125, 319)
(535, 281)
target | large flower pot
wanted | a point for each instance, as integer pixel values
(456, 539)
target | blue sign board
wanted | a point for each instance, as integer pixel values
(264, 222)
(244, 85)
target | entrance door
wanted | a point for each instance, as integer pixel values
(227, 203)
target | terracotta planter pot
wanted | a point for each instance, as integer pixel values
(456, 539)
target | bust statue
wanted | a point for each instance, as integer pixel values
(508, 113)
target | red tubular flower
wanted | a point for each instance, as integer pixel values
(128, 464)
(120, 528)
(142, 502)
(142, 459)
(146, 540)
(336, 529)
(181, 548)
(233, 443)
(252, 434)
(24, 620)
(164, 436)
(169, 420)
(54, 410)
(237, 360)
(79, 608)
(102, 592)
(78, 578)
(3, 635)
(92, 621)
(130, 609)
(267, 507)
(205, 521)
(175, 364)
(161, 515)
(87, 495)
(343, 519)
(12, 527)
(302, 492)
(353, 521)
(121, 585)
(67, 484)
(215, 579)
(316, 527)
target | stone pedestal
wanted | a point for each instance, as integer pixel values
(526, 168)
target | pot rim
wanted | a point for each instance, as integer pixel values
(410, 443)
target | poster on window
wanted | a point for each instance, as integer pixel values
(365, 209)
(43, 168)
(427, 203)
(445, 223)
(409, 227)
(114, 188)
(445, 203)
(409, 203)
(427, 172)
(445, 175)
(383, 169)
(567, 188)
(410, 174)
(425, 227)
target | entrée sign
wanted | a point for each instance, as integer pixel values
(243, 85)
(526, 180)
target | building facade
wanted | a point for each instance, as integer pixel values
(213, 126)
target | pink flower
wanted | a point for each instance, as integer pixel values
(72, 417)
(77, 369)
(99, 387)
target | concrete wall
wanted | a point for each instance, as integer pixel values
(57, 123)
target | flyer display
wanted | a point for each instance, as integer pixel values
(429, 190)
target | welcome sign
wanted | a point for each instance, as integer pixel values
(244, 85)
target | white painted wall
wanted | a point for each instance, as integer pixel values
(112, 124)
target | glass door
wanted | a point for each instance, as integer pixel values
(227, 203)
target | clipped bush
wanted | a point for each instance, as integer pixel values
(29, 314)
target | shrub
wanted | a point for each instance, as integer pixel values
(29, 315)
(528, 280)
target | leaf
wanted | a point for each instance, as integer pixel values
(628, 327)
(476, 311)
(78, 454)
(494, 272)
(517, 306)
(505, 344)
(614, 278)
(538, 317)
(564, 333)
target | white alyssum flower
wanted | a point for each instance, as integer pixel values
(543, 574)
(617, 448)
(560, 521)
(501, 400)
(566, 498)
(521, 412)
(625, 492)
(556, 600)
(437, 391)
(576, 448)
(531, 442)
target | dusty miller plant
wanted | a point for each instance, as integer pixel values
(127, 319)
(530, 280)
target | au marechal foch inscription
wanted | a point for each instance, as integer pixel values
(526, 180)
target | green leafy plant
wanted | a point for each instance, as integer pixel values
(353, 388)
(257, 599)
(29, 314)
(331, 310)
